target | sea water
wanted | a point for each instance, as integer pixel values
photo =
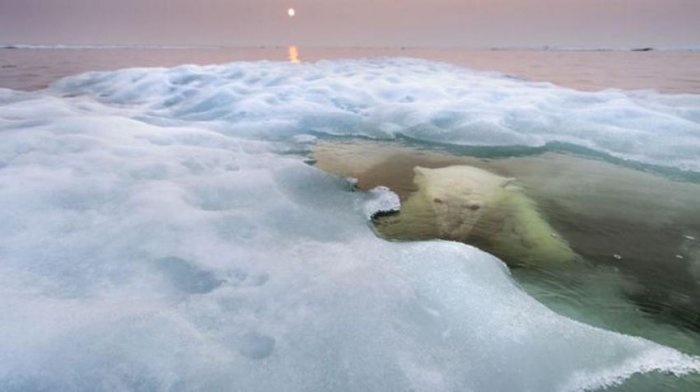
(675, 72)
(163, 229)
(634, 231)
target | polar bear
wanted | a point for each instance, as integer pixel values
(468, 204)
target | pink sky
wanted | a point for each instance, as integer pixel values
(471, 23)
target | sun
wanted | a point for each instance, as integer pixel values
(291, 12)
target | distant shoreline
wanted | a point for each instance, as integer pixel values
(21, 46)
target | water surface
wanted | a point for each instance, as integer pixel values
(665, 71)
(636, 232)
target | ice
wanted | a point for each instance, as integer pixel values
(159, 233)
(186, 277)
(422, 100)
(380, 200)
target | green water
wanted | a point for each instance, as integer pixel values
(635, 231)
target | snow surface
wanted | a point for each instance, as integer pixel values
(386, 98)
(380, 200)
(159, 233)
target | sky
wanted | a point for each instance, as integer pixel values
(458, 23)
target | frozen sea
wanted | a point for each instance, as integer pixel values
(193, 227)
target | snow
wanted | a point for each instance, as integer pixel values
(380, 200)
(418, 99)
(160, 233)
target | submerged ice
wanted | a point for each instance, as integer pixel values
(159, 232)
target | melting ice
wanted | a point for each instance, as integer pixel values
(159, 232)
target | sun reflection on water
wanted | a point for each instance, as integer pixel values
(294, 54)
